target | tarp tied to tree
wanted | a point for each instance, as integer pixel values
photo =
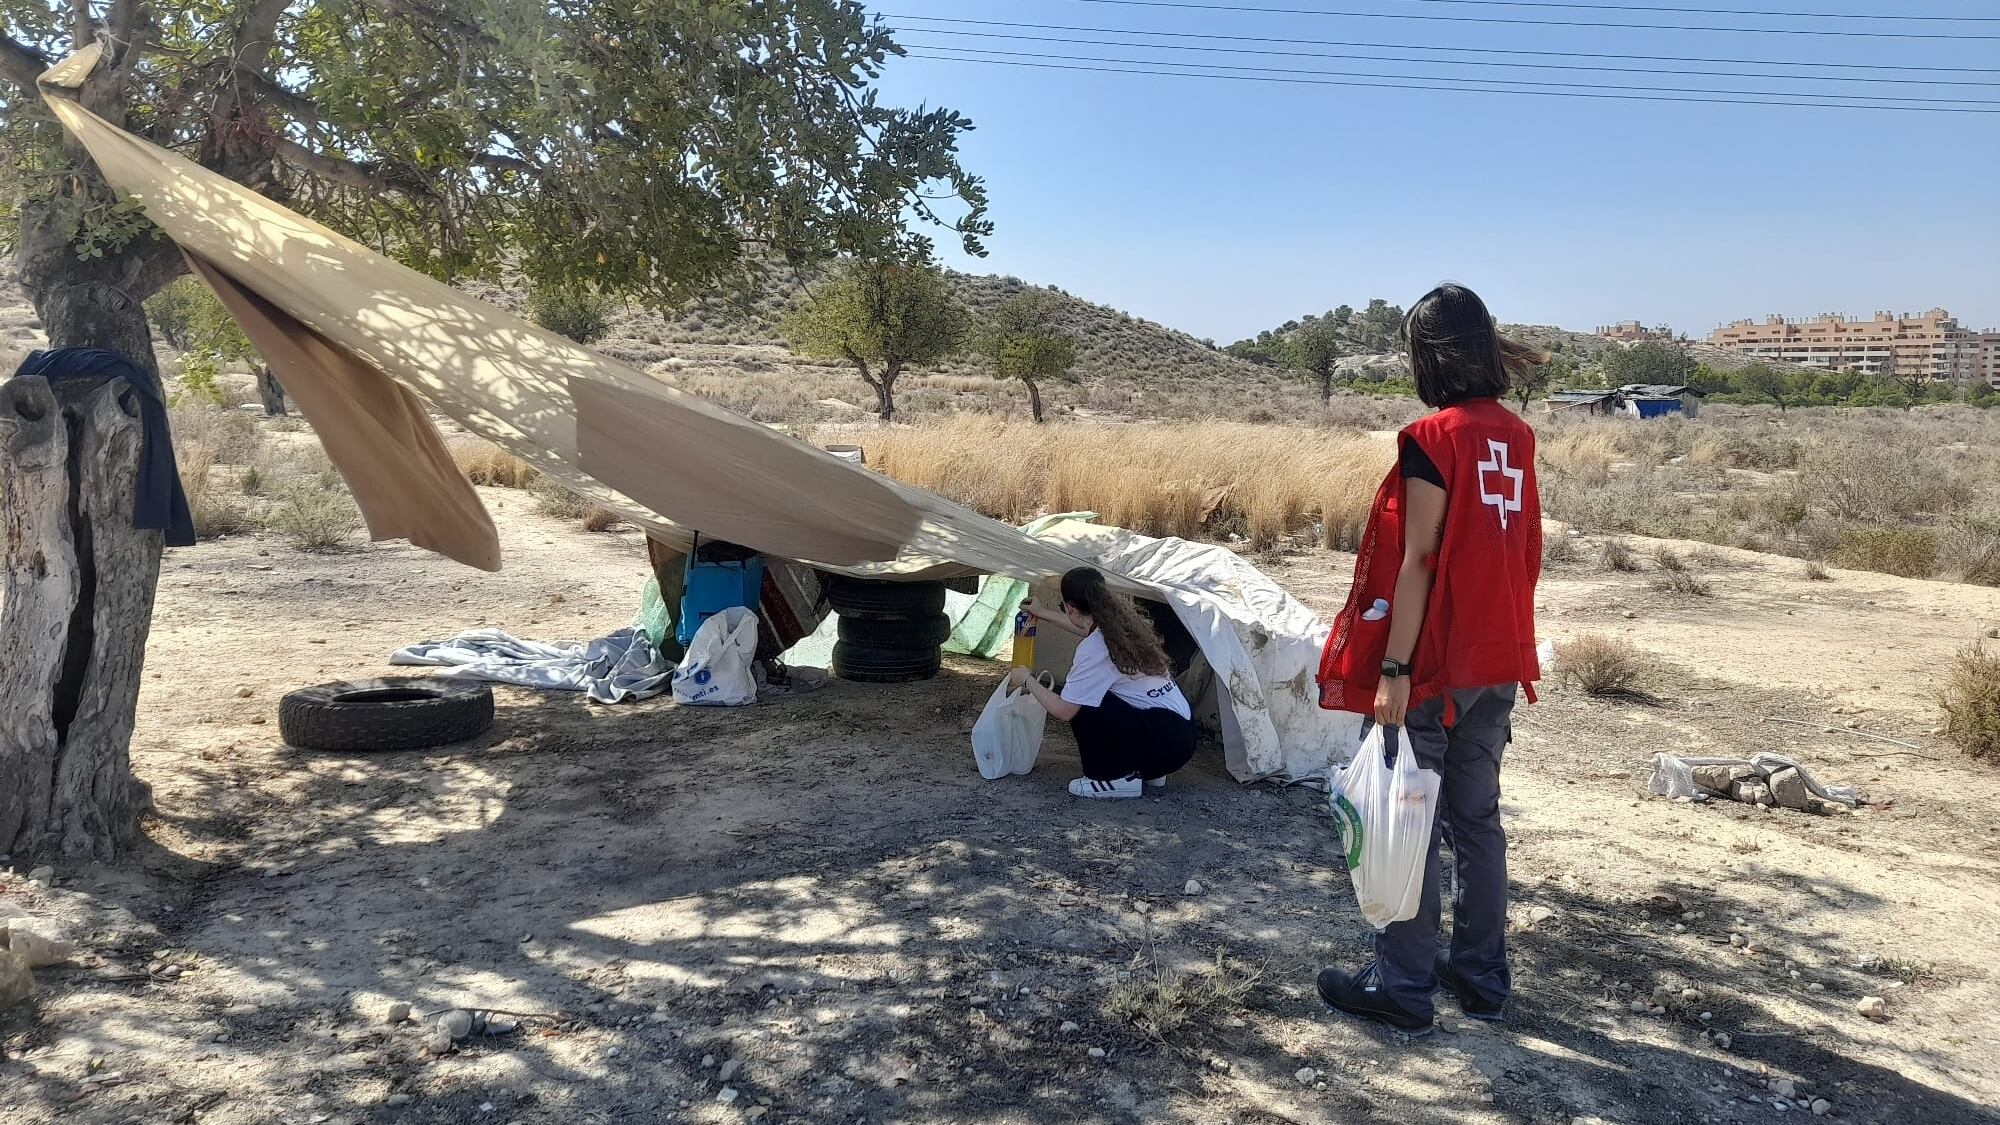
(636, 149)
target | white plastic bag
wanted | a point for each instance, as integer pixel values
(1385, 815)
(1008, 736)
(716, 670)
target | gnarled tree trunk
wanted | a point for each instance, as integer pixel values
(1034, 398)
(78, 603)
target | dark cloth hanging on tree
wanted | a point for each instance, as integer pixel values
(161, 504)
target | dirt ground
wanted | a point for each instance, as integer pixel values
(821, 897)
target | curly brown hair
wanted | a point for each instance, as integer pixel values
(1134, 644)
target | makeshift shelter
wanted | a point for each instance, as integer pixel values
(364, 344)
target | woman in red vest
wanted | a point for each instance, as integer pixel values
(1437, 635)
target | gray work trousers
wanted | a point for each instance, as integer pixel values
(1467, 757)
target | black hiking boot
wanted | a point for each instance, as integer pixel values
(1470, 1002)
(1359, 994)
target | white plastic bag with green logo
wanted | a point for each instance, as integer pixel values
(1384, 812)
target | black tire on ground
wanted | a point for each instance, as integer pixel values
(863, 665)
(880, 632)
(403, 713)
(867, 597)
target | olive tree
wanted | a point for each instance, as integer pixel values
(880, 316)
(1025, 341)
(639, 147)
(1315, 349)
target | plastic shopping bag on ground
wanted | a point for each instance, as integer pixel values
(716, 670)
(1385, 814)
(1008, 736)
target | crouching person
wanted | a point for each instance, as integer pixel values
(1132, 724)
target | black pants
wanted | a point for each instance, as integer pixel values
(1116, 739)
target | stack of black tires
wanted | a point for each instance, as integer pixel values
(890, 632)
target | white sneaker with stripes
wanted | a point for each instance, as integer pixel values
(1124, 788)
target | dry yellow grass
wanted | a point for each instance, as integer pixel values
(1263, 482)
(482, 462)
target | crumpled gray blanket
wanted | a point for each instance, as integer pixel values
(611, 669)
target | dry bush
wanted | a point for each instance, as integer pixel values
(1707, 558)
(231, 437)
(1585, 451)
(601, 519)
(1162, 1003)
(313, 517)
(1970, 699)
(1559, 550)
(1817, 572)
(1603, 666)
(1904, 552)
(1969, 551)
(1882, 483)
(1684, 584)
(553, 499)
(215, 512)
(1669, 560)
(485, 463)
(1619, 556)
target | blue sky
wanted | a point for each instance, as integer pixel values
(1224, 207)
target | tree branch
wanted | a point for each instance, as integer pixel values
(333, 168)
(21, 64)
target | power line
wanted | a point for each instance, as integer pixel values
(1793, 102)
(1559, 86)
(1765, 12)
(1453, 50)
(1519, 21)
(1679, 71)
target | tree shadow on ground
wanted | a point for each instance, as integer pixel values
(822, 889)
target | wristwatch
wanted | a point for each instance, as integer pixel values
(1392, 670)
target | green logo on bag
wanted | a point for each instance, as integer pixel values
(1349, 822)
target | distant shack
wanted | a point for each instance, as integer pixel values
(1639, 400)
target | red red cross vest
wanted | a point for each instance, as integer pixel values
(1479, 629)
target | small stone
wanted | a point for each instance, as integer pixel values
(1721, 1040)
(707, 1061)
(1821, 1107)
(397, 1101)
(728, 1095)
(1691, 995)
(611, 1053)
(440, 1041)
(1738, 940)
(398, 1012)
(1815, 987)
(43, 876)
(756, 1111)
(1096, 1052)
(1540, 914)
(1307, 1076)
(1706, 1016)
(1070, 1027)
(1874, 1007)
(245, 693)
(1784, 1088)
(487, 1107)
(456, 1023)
(1640, 1007)
(1193, 887)
(1219, 1065)
(729, 1070)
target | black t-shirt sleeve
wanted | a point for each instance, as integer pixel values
(1417, 465)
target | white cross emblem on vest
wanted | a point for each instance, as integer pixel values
(1501, 502)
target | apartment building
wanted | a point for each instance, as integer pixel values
(1631, 331)
(1932, 345)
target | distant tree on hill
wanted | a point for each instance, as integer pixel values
(1650, 362)
(881, 317)
(1536, 381)
(1315, 349)
(1378, 326)
(1342, 317)
(1025, 342)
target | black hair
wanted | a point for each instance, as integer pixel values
(1456, 350)
(1134, 644)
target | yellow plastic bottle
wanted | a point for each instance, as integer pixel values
(1024, 639)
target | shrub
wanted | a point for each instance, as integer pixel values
(1618, 555)
(1602, 666)
(552, 499)
(1683, 584)
(1902, 552)
(485, 463)
(1969, 551)
(1970, 700)
(1670, 561)
(1817, 572)
(231, 437)
(601, 519)
(1161, 1004)
(583, 315)
(1559, 549)
(215, 514)
(314, 517)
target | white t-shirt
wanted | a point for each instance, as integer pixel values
(1092, 675)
